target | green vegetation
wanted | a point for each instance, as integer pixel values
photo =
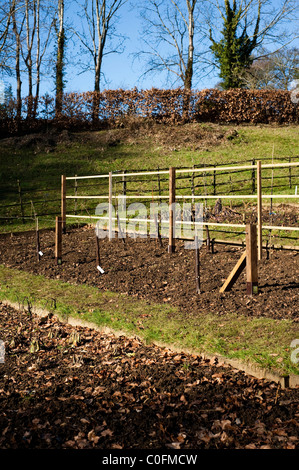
(261, 341)
(39, 161)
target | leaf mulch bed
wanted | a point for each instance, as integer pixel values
(63, 387)
(143, 269)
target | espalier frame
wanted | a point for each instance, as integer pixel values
(173, 196)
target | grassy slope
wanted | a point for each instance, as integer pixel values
(132, 148)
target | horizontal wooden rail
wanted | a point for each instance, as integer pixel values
(181, 222)
(189, 170)
(202, 196)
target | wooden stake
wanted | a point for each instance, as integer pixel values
(251, 259)
(120, 232)
(214, 182)
(197, 265)
(158, 229)
(124, 183)
(259, 209)
(98, 260)
(63, 203)
(21, 201)
(171, 245)
(110, 205)
(58, 240)
(37, 241)
(208, 238)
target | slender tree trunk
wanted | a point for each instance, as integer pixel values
(36, 97)
(189, 66)
(17, 63)
(60, 60)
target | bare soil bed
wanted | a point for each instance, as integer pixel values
(144, 269)
(74, 388)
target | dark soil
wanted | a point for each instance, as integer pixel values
(63, 387)
(144, 269)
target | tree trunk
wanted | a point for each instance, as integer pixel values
(60, 60)
(189, 65)
(17, 62)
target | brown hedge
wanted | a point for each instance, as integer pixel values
(169, 106)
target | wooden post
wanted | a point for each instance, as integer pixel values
(158, 229)
(76, 192)
(290, 173)
(110, 205)
(159, 184)
(214, 182)
(197, 265)
(58, 240)
(21, 202)
(97, 251)
(120, 232)
(192, 186)
(259, 209)
(63, 203)
(124, 184)
(253, 176)
(208, 238)
(171, 244)
(251, 259)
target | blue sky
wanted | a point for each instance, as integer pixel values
(119, 69)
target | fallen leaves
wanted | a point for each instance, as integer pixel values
(82, 389)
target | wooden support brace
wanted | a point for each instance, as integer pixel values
(235, 273)
(248, 259)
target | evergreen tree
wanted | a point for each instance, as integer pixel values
(233, 53)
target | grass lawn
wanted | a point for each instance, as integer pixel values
(261, 341)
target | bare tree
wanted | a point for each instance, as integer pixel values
(171, 29)
(6, 43)
(60, 59)
(41, 50)
(245, 27)
(273, 71)
(98, 25)
(17, 30)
